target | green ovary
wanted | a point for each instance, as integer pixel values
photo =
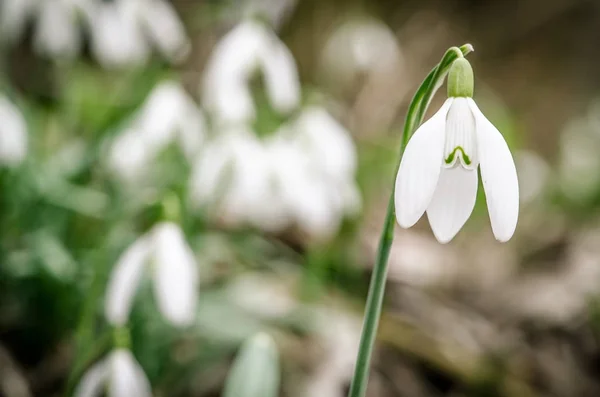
(450, 158)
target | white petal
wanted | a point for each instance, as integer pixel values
(420, 168)
(452, 203)
(124, 280)
(210, 176)
(93, 381)
(499, 177)
(166, 29)
(127, 378)
(328, 142)
(251, 197)
(157, 118)
(175, 275)
(117, 39)
(304, 192)
(225, 90)
(13, 134)
(281, 77)
(57, 32)
(13, 17)
(129, 157)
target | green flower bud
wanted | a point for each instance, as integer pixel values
(255, 371)
(460, 79)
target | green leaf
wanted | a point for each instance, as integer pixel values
(255, 371)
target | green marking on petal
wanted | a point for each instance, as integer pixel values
(465, 156)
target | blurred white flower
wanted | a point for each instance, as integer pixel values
(579, 161)
(119, 374)
(116, 37)
(274, 11)
(13, 17)
(122, 31)
(169, 115)
(534, 174)
(13, 134)
(174, 272)
(359, 47)
(57, 29)
(302, 176)
(328, 142)
(248, 48)
(233, 176)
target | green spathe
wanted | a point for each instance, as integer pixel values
(255, 371)
(460, 79)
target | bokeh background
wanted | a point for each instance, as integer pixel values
(245, 151)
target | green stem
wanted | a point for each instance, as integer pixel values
(414, 117)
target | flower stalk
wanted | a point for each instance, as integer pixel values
(414, 117)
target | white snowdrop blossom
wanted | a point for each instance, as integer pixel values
(163, 252)
(123, 31)
(169, 115)
(13, 134)
(119, 374)
(286, 180)
(359, 47)
(56, 29)
(438, 172)
(248, 48)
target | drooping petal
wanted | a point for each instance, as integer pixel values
(175, 275)
(499, 176)
(225, 91)
(127, 378)
(420, 168)
(13, 18)
(13, 134)
(124, 280)
(166, 30)
(328, 143)
(116, 38)
(281, 77)
(57, 32)
(452, 203)
(93, 381)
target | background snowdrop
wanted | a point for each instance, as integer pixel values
(13, 134)
(164, 253)
(249, 48)
(301, 176)
(119, 374)
(168, 116)
(124, 31)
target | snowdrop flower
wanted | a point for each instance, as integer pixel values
(13, 17)
(438, 172)
(233, 177)
(13, 134)
(120, 375)
(174, 272)
(248, 47)
(123, 31)
(57, 30)
(168, 116)
(360, 47)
